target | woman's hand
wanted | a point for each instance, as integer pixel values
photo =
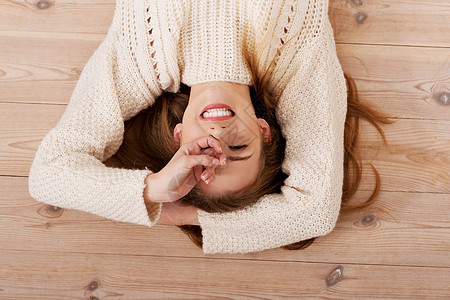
(184, 170)
(178, 213)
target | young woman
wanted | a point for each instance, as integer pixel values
(151, 48)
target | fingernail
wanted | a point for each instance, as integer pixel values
(203, 177)
(216, 162)
(222, 161)
(207, 181)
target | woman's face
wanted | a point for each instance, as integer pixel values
(230, 118)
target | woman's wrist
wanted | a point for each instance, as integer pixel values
(175, 213)
(179, 213)
(149, 188)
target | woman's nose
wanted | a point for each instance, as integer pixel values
(216, 130)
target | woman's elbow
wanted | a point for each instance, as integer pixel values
(38, 187)
(34, 183)
(330, 213)
(331, 218)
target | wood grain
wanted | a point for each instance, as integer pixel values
(417, 157)
(401, 22)
(22, 127)
(386, 232)
(404, 82)
(81, 16)
(409, 82)
(416, 22)
(133, 277)
(43, 67)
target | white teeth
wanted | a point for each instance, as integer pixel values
(217, 112)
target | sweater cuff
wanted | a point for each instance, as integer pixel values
(137, 211)
(111, 193)
(154, 209)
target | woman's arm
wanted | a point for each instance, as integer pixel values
(311, 113)
(68, 169)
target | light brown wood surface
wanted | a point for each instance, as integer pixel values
(398, 52)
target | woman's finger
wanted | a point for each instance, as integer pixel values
(196, 160)
(195, 147)
(208, 174)
(215, 143)
(198, 170)
(223, 158)
(210, 141)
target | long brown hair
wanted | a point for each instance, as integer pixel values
(148, 143)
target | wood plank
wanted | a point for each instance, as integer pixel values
(43, 68)
(59, 16)
(54, 275)
(417, 159)
(401, 22)
(409, 229)
(22, 127)
(404, 82)
(412, 82)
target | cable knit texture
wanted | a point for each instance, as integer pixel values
(153, 46)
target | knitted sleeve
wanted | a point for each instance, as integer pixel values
(68, 169)
(311, 113)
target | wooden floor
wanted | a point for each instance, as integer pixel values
(399, 54)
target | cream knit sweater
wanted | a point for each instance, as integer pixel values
(152, 46)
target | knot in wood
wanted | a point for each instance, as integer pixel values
(443, 98)
(368, 219)
(93, 298)
(42, 5)
(357, 2)
(50, 211)
(54, 211)
(361, 17)
(334, 276)
(93, 286)
(55, 208)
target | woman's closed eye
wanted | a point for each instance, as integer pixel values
(231, 147)
(237, 147)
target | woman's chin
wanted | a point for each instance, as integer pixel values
(209, 189)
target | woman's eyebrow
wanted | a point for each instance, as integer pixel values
(236, 158)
